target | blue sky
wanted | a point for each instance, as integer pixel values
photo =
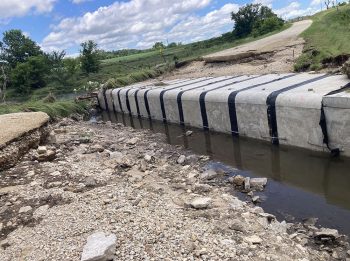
(63, 24)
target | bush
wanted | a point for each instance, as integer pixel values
(267, 25)
(30, 75)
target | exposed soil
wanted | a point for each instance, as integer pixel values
(281, 61)
(273, 54)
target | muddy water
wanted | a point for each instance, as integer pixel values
(302, 183)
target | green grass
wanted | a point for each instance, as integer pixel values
(54, 110)
(327, 40)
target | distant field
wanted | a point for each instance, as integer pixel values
(327, 40)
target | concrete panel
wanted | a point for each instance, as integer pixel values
(171, 97)
(101, 100)
(337, 112)
(217, 104)
(116, 100)
(109, 100)
(252, 108)
(299, 113)
(191, 101)
(153, 96)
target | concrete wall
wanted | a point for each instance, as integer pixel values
(281, 108)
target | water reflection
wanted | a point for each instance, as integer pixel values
(304, 183)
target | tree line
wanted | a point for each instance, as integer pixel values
(26, 67)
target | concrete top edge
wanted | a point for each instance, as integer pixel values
(339, 100)
(15, 125)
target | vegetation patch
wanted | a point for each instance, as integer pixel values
(54, 109)
(327, 40)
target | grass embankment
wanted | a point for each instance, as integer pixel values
(327, 40)
(54, 110)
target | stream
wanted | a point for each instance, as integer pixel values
(301, 183)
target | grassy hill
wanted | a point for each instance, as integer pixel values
(327, 40)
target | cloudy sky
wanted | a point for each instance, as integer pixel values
(63, 24)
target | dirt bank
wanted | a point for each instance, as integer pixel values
(273, 54)
(20, 132)
(156, 198)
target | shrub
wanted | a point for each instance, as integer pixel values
(267, 25)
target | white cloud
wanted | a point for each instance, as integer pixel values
(294, 10)
(16, 8)
(264, 2)
(139, 23)
(315, 2)
(80, 1)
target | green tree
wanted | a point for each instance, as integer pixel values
(249, 16)
(158, 45)
(89, 57)
(172, 45)
(17, 48)
(30, 75)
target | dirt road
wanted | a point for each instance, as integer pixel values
(273, 43)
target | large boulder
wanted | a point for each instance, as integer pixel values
(99, 247)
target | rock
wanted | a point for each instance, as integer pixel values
(51, 139)
(132, 141)
(258, 183)
(310, 221)
(96, 148)
(326, 234)
(84, 140)
(208, 174)
(247, 183)
(41, 150)
(148, 158)
(346, 68)
(181, 159)
(238, 226)
(237, 180)
(200, 188)
(25, 209)
(99, 247)
(48, 156)
(268, 216)
(116, 155)
(41, 211)
(90, 182)
(192, 159)
(253, 240)
(143, 166)
(192, 175)
(189, 133)
(255, 199)
(201, 203)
